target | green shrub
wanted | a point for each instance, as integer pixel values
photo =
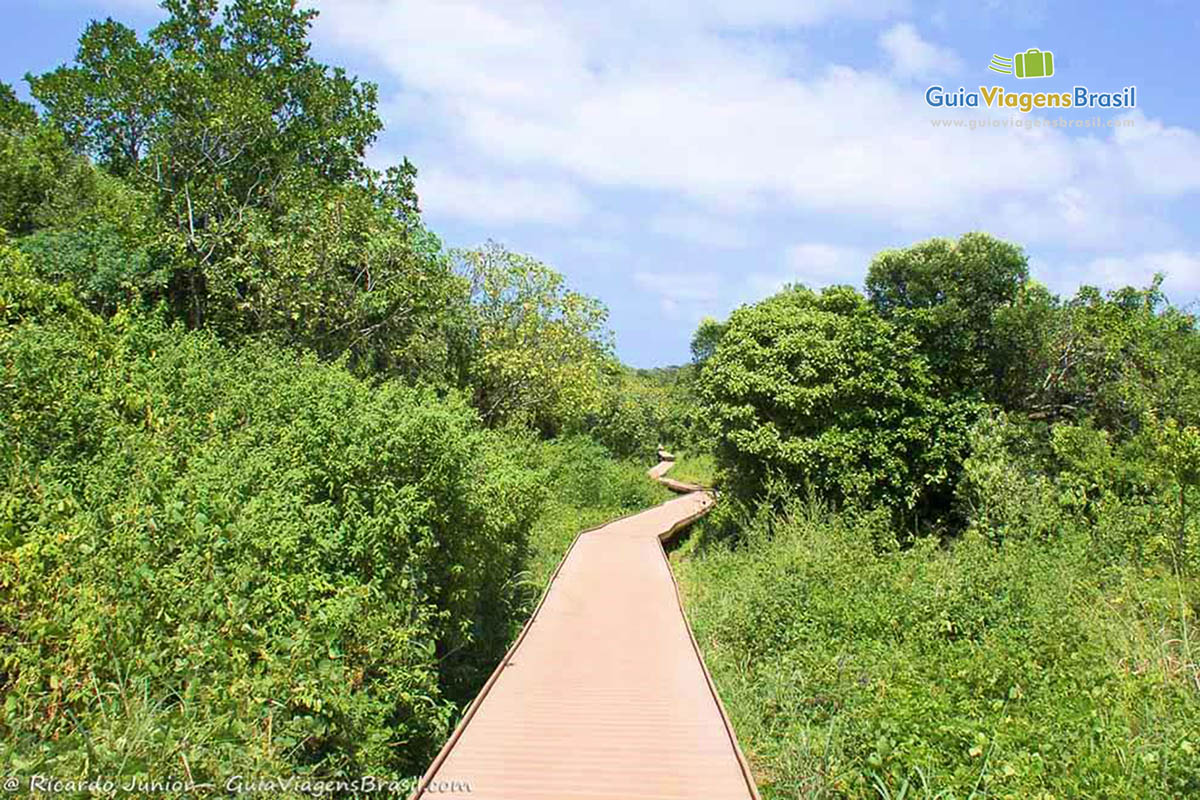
(1132, 499)
(33, 159)
(102, 267)
(648, 408)
(287, 564)
(818, 394)
(1021, 671)
(1002, 492)
(630, 423)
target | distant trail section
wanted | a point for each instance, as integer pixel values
(604, 695)
(659, 473)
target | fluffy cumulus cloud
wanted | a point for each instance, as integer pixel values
(654, 96)
(1180, 268)
(503, 200)
(717, 107)
(914, 57)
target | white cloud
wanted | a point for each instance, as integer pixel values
(658, 97)
(913, 57)
(700, 229)
(819, 264)
(1160, 159)
(1182, 269)
(499, 200)
(146, 6)
(814, 264)
(735, 14)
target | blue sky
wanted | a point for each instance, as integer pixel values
(678, 158)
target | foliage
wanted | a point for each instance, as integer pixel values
(272, 551)
(96, 233)
(585, 487)
(1176, 450)
(342, 275)
(1027, 670)
(1115, 357)
(819, 392)
(15, 115)
(949, 294)
(643, 410)
(706, 338)
(631, 418)
(32, 159)
(249, 519)
(223, 124)
(537, 352)
(279, 481)
(1047, 649)
(1004, 491)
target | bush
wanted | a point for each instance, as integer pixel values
(286, 564)
(819, 394)
(1003, 494)
(648, 408)
(1132, 498)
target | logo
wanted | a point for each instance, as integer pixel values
(1033, 63)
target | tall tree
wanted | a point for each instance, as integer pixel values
(948, 293)
(15, 115)
(219, 114)
(705, 340)
(108, 103)
(33, 158)
(536, 351)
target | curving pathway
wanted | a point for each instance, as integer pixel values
(604, 694)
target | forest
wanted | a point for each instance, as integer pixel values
(283, 474)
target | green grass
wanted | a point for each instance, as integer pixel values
(1026, 671)
(696, 468)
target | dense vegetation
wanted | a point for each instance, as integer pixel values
(280, 474)
(958, 555)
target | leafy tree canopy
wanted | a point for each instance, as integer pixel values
(224, 118)
(820, 392)
(15, 114)
(948, 294)
(537, 351)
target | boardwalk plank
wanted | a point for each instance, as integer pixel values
(604, 695)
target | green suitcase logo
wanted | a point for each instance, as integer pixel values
(1033, 63)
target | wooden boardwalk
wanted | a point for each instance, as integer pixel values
(604, 693)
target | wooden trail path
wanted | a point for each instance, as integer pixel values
(604, 694)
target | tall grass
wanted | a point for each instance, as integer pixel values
(697, 468)
(971, 670)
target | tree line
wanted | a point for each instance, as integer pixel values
(951, 365)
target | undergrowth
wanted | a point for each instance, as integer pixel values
(1026, 670)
